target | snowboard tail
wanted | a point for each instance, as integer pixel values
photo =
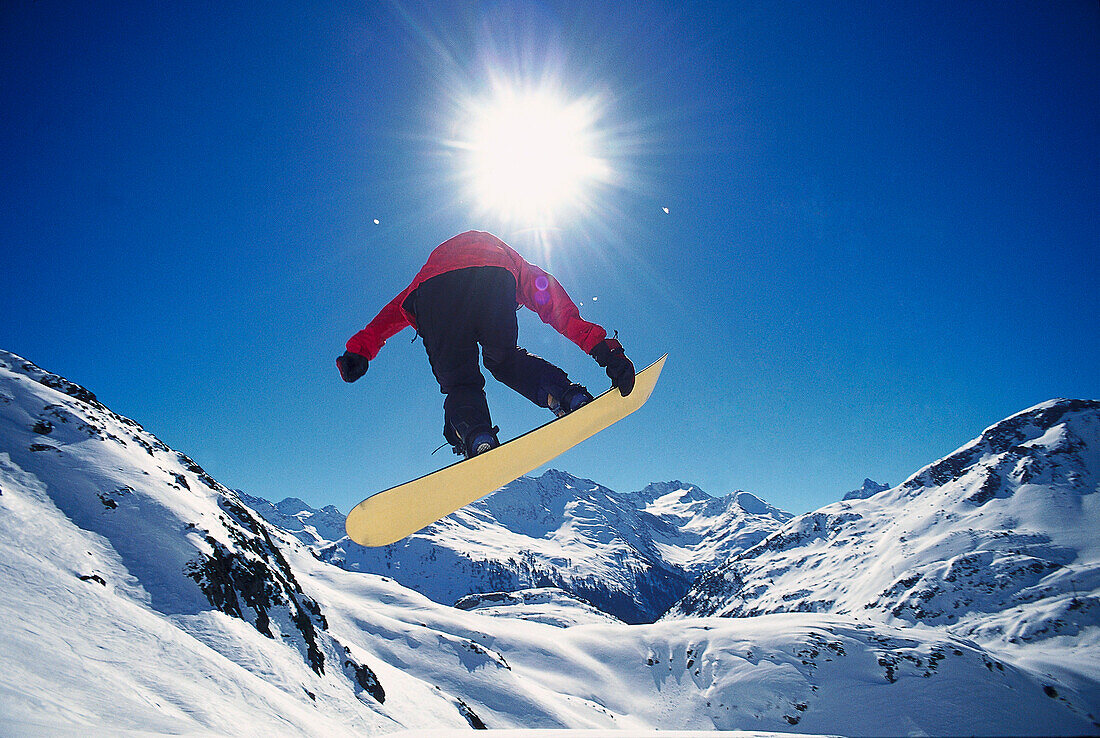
(400, 511)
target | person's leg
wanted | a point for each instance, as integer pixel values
(447, 316)
(535, 378)
(529, 375)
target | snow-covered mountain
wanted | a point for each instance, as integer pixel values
(136, 586)
(694, 531)
(630, 555)
(998, 542)
(138, 595)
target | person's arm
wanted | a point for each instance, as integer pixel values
(365, 345)
(540, 292)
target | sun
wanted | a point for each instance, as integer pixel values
(531, 155)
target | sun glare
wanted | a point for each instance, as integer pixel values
(531, 155)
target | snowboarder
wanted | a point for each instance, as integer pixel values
(467, 294)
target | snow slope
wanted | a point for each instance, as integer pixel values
(794, 672)
(137, 594)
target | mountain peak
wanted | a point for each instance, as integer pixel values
(870, 488)
(675, 490)
(1055, 431)
(1028, 425)
(752, 504)
(555, 482)
(292, 506)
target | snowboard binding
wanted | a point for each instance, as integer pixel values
(572, 398)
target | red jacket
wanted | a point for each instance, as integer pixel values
(535, 289)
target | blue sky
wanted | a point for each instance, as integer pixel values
(881, 236)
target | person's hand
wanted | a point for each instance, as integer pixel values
(351, 366)
(608, 353)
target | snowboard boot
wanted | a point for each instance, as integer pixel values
(480, 440)
(573, 397)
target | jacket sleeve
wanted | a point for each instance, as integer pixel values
(539, 291)
(390, 319)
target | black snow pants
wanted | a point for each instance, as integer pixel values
(459, 310)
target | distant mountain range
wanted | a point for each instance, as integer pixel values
(138, 594)
(630, 555)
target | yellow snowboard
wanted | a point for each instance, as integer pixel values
(400, 511)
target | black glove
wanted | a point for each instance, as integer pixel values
(351, 366)
(608, 353)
